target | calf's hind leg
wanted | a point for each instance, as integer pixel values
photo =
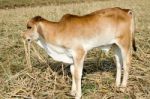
(125, 49)
(119, 63)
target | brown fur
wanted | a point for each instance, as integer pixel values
(99, 28)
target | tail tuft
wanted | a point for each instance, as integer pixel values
(134, 45)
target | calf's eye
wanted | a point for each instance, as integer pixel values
(28, 27)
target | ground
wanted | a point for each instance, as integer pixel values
(52, 80)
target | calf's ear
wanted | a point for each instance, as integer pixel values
(40, 30)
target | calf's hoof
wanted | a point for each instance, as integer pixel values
(73, 93)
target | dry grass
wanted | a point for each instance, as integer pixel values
(7, 4)
(52, 80)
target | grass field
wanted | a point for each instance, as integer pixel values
(52, 80)
(5, 4)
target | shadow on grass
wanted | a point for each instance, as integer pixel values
(90, 66)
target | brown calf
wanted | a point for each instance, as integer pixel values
(73, 36)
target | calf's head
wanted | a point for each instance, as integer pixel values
(32, 32)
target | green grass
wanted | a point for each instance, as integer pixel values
(48, 79)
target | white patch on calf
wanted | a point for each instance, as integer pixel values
(57, 53)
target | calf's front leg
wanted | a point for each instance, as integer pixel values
(76, 71)
(73, 88)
